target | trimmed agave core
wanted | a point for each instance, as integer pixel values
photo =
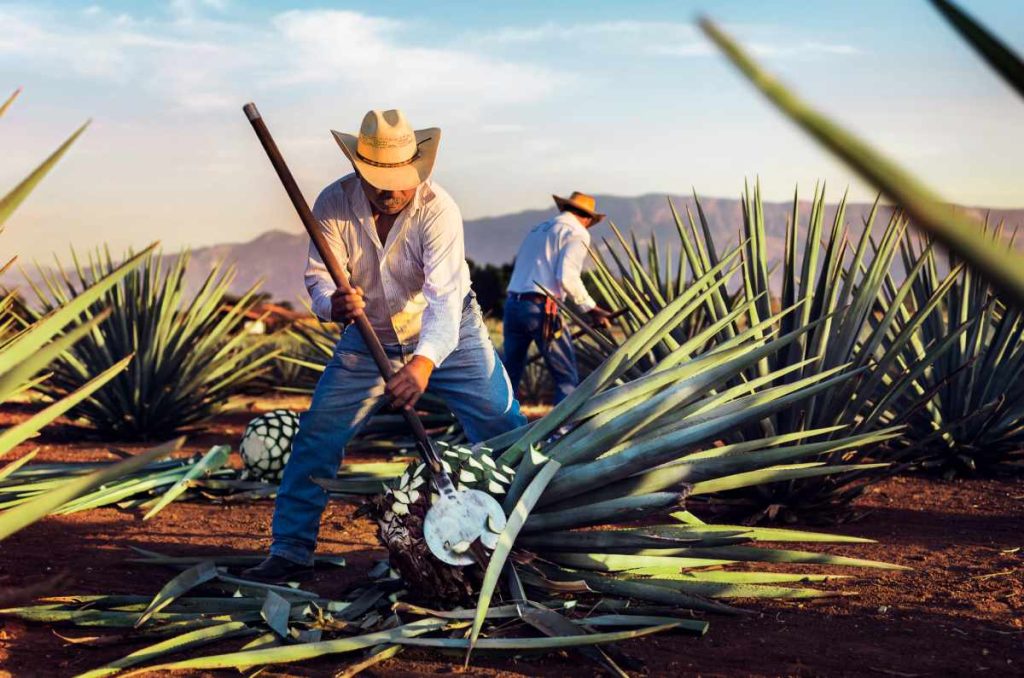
(402, 508)
(267, 444)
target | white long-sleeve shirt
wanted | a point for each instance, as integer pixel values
(415, 284)
(553, 254)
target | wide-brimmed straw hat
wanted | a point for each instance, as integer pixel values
(579, 201)
(388, 153)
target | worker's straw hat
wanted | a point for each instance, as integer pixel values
(579, 201)
(388, 153)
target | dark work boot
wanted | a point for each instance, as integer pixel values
(278, 570)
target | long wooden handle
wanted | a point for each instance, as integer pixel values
(334, 267)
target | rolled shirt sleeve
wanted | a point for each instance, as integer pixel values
(319, 283)
(570, 274)
(444, 289)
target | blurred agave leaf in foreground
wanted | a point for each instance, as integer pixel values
(997, 54)
(26, 349)
(963, 235)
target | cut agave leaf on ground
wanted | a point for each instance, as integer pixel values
(276, 612)
(602, 620)
(375, 656)
(29, 512)
(554, 625)
(234, 560)
(179, 586)
(527, 644)
(212, 460)
(294, 653)
(180, 643)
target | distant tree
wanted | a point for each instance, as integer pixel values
(490, 283)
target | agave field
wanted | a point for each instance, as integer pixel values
(804, 466)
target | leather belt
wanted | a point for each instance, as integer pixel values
(535, 297)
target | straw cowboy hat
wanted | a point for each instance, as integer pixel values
(388, 153)
(579, 201)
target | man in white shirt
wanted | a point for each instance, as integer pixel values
(400, 236)
(550, 258)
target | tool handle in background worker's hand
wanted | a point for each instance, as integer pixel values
(552, 325)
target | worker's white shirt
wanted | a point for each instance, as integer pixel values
(552, 255)
(414, 284)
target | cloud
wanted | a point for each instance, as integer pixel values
(381, 56)
(198, 57)
(652, 38)
(628, 32)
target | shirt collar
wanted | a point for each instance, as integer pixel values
(364, 215)
(571, 221)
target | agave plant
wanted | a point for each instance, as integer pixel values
(623, 454)
(638, 448)
(973, 413)
(191, 353)
(836, 282)
(27, 348)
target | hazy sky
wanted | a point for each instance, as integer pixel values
(533, 98)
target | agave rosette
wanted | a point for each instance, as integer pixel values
(834, 281)
(972, 413)
(192, 352)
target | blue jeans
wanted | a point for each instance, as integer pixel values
(471, 381)
(523, 324)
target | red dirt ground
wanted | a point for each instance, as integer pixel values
(959, 612)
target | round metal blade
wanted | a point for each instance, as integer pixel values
(454, 522)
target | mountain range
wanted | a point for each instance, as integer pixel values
(278, 257)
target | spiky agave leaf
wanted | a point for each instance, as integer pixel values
(17, 195)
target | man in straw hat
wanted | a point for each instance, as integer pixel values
(400, 236)
(550, 258)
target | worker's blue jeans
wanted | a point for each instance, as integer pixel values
(523, 324)
(471, 381)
